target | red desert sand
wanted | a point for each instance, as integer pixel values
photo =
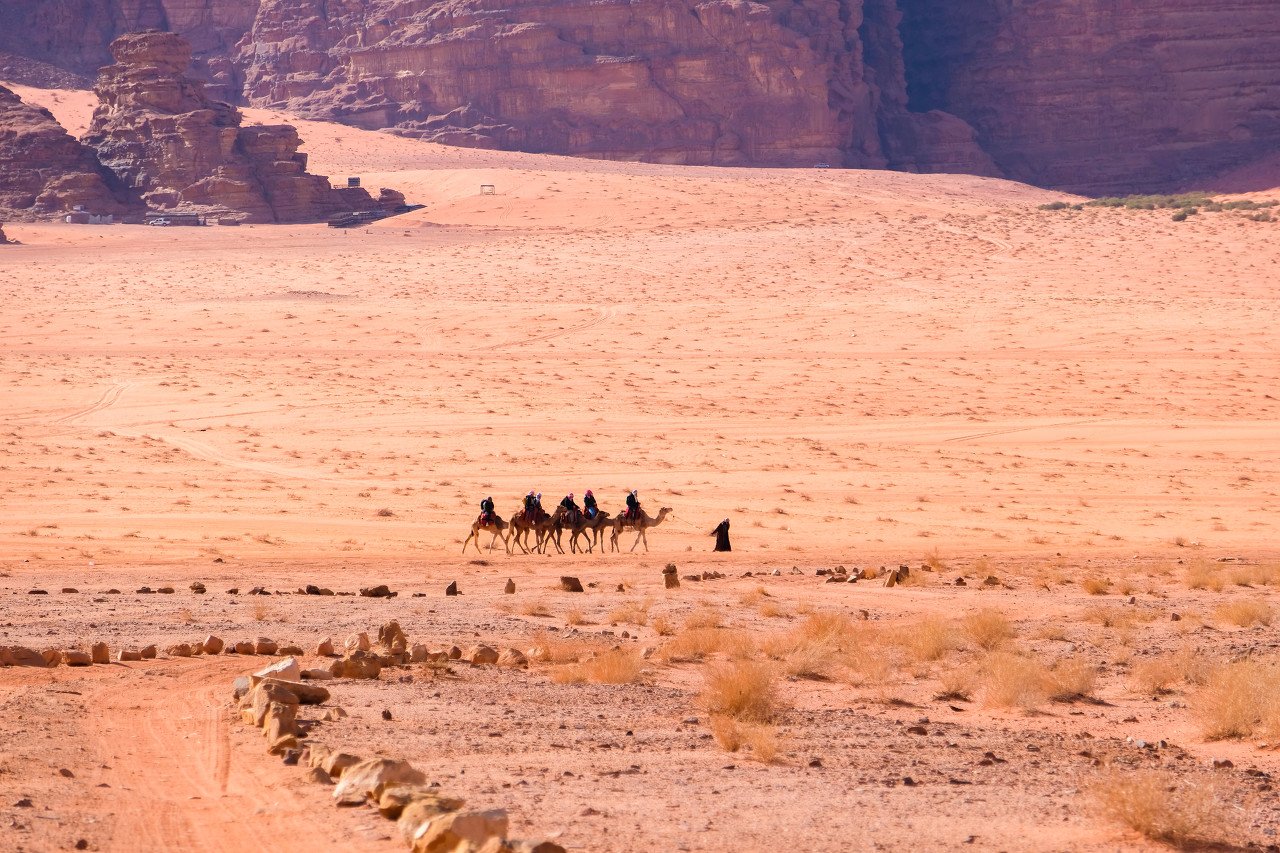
(1064, 424)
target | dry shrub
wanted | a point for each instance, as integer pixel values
(1110, 616)
(752, 597)
(815, 647)
(630, 613)
(1010, 681)
(744, 690)
(1155, 676)
(1095, 586)
(662, 626)
(695, 644)
(772, 609)
(930, 639)
(988, 628)
(1051, 631)
(616, 666)
(1240, 699)
(1244, 613)
(957, 683)
(261, 611)
(1071, 679)
(703, 617)
(1163, 806)
(575, 617)
(535, 608)
(185, 616)
(548, 647)
(1201, 574)
(733, 735)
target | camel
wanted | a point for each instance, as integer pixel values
(497, 527)
(591, 528)
(643, 523)
(541, 528)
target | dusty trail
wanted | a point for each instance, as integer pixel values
(187, 777)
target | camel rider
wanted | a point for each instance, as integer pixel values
(589, 504)
(486, 510)
(633, 505)
(531, 506)
(571, 508)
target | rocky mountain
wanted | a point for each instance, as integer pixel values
(164, 139)
(1090, 95)
(44, 171)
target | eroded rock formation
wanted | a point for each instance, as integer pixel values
(158, 132)
(1083, 94)
(43, 170)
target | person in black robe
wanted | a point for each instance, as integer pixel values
(722, 536)
(486, 510)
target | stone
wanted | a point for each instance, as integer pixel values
(452, 588)
(513, 658)
(325, 648)
(358, 664)
(281, 721)
(379, 591)
(510, 588)
(358, 642)
(165, 590)
(241, 686)
(453, 830)
(418, 654)
(244, 647)
(455, 653)
(51, 657)
(198, 588)
(419, 811)
(334, 714)
(316, 774)
(181, 650)
(336, 763)
(260, 699)
(316, 675)
(265, 646)
(282, 670)
(307, 694)
(75, 658)
(69, 590)
(481, 654)
(149, 652)
(128, 655)
(395, 796)
(391, 635)
(570, 584)
(671, 580)
(365, 780)
(100, 653)
(212, 645)
(286, 746)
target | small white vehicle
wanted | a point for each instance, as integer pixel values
(161, 222)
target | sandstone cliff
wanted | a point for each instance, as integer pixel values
(161, 136)
(44, 171)
(1089, 95)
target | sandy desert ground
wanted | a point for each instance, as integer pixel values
(858, 368)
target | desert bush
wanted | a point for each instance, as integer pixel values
(733, 735)
(930, 639)
(1163, 806)
(957, 683)
(988, 628)
(772, 610)
(549, 647)
(1010, 680)
(1110, 617)
(1200, 574)
(695, 644)
(1154, 676)
(1244, 613)
(1095, 586)
(630, 613)
(261, 611)
(703, 617)
(575, 617)
(1054, 205)
(535, 608)
(1240, 699)
(615, 666)
(743, 690)
(662, 626)
(1071, 679)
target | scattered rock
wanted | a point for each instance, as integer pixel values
(336, 763)
(570, 584)
(418, 654)
(100, 653)
(77, 658)
(165, 590)
(459, 831)
(128, 655)
(513, 658)
(51, 657)
(391, 635)
(1174, 617)
(452, 588)
(670, 579)
(316, 774)
(325, 648)
(417, 814)
(284, 670)
(960, 582)
(481, 654)
(212, 645)
(358, 664)
(69, 590)
(316, 675)
(198, 588)
(396, 796)
(37, 592)
(244, 647)
(334, 714)
(358, 642)
(510, 588)
(149, 652)
(991, 580)
(379, 591)
(265, 646)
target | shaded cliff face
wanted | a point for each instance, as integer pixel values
(1101, 97)
(44, 171)
(1088, 95)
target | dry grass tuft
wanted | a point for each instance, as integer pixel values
(1245, 613)
(662, 626)
(773, 610)
(930, 639)
(616, 666)
(695, 644)
(1154, 676)
(957, 684)
(1013, 681)
(535, 608)
(631, 613)
(1201, 574)
(733, 735)
(1096, 586)
(988, 628)
(575, 617)
(549, 647)
(1163, 806)
(185, 616)
(1072, 679)
(1240, 699)
(261, 611)
(703, 617)
(743, 690)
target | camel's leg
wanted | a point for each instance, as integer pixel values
(467, 541)
(492, 541)
(637, 542)
(645, 538)
(520, 537)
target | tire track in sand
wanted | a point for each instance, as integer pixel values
(176, 782)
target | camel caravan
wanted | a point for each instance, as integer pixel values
(589, 522)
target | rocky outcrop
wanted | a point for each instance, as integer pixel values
(158, 132)
(1087, 95)
(43, 170)
(1103, 97)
